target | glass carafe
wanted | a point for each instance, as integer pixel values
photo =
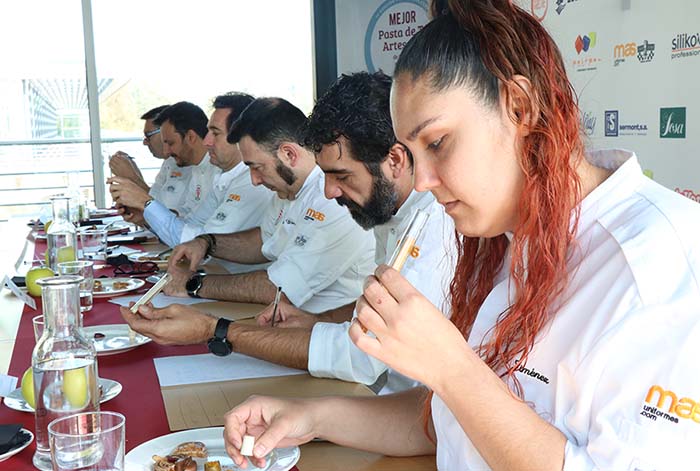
(61, 236)
(64, 362)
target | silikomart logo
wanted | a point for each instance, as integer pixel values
(672, 123)
(685, 45)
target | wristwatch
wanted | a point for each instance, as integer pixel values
(194, 284)
(219, 344)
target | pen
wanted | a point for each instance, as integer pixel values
(277, 301)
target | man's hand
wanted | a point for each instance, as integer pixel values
(173, 325)
(132, 215)
(127, 193)
(287, 316)
(123, 166)
(194, 251)
(176, 287)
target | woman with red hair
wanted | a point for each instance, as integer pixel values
(575, 310)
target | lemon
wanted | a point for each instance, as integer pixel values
(35, 274)
(28, 387)
(75, 387)
(65, 254)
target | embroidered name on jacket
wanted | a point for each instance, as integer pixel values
(534, 374)
(665, 404)
(313, 215)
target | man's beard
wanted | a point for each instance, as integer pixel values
(378, 209)
(285, 173)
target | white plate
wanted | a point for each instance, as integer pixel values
(118, 227)
(116, 338)
(110, 390)
(139, 459)
(162, 262)
(108, 286)
(14, 451)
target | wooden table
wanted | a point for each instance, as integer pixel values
(318, 456)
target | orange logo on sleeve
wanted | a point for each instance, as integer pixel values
(314, 215)
(664, 402)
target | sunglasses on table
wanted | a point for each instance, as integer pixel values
(136, 269)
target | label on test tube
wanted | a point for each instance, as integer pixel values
(408, 239)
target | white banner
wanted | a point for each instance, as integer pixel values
(635, 66)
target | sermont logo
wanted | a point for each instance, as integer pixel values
(672, 123)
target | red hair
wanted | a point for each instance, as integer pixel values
(511, 42)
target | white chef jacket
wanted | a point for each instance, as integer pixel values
(332, 354)
(616, 372)
(200, 184)
(233, 205)
(320, 255)
(170, 183)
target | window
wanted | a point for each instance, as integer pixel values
(147, 54)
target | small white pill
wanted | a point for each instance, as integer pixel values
(248, 444)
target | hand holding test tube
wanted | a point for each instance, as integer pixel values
(406, 244)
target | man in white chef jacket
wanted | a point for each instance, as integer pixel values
(183, 127)
(234, 204)
(348, 124)
(319, 256)
(377, 188)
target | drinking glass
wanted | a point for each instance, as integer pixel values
(38, 323)
(93, 243)
(90, 441)
(84, 269)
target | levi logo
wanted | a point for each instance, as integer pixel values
(661, 403)
(314, 215)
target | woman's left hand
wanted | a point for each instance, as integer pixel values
(412, 335)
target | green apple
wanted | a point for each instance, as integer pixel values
(28, 387)
(75, 387)
(35, 274)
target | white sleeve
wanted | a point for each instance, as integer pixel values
(327, 251)
(194, 223)
(637, 394)
(165, 223)
(332, 354)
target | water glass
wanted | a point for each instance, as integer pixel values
(90, 441)
(84, 269)
(93, 243)
(38, 323)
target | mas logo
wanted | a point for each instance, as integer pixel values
(313, 215)
(664, 404)
(583, 44)
(643, 53)
(614, 128)
(672, 123)
(685, 45)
